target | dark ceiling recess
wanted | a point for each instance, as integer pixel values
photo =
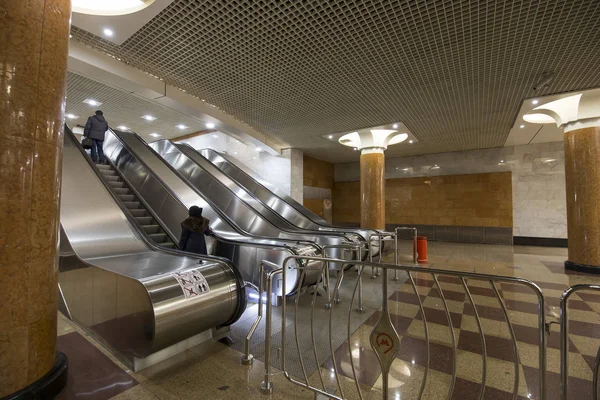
(455, 72)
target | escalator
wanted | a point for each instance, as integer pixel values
(168, 197)
(269, 196)
(132, 295)
(242, 208)
(136, 207)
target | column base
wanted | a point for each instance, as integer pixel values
(588, 269)
(48, 386)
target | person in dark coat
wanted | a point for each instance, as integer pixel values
(95, 128)
(193, 230)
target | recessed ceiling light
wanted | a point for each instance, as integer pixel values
(92, 102)
(155, 134)
(355, 149)
(405, 169)
(330, 136)
(395, 126)
(209, 125)
(258, 149)
(149, 117)
(549, 160)
(71, 116)
(181, 126)
(411, 141)
(235, 152)
(108, 32)
(501, 161)
(215, 136)
(521, 126)
(534, 101)
(122, 128)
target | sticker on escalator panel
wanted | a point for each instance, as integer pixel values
(192, 282)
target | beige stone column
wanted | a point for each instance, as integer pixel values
(582, 174)
(578, 114)
(372, 189)
(33, 61)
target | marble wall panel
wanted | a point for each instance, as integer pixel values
(538, 180)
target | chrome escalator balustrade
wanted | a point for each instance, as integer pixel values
(249, 214)
(120, 286)
(169, 197)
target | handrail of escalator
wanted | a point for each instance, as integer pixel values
(144, 236)
(234, 226)
(215, 209)
(273, 191)
(276, 215)
(147, 241)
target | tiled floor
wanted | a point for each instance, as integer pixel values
(213, 371)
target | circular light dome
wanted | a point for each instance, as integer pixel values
(109, 7)
(398, 138)
(538, 118)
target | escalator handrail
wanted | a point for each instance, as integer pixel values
(269, 209)
(165, 186)
(301, 209)
(143, 235)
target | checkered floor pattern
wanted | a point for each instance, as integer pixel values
(408, 369)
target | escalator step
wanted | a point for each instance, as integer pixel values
(151, 228)
(103, 167)
(117, 184)
(169, 245)
(158, 237)
(139, 213)
(127, 197)
(122, 190)
(143, 220)
(112, 178)
(108, 172)
(132, 205)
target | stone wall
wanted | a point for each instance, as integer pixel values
(538, 181)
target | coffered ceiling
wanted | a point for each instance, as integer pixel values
(454, 72)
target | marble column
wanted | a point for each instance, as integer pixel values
(372, 189)
(582, 174)
(33, 62)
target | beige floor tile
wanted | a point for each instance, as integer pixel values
(437, 333)
(489, 326)
(585, 345)
(438, 304)
(138, 392)
(500, 374)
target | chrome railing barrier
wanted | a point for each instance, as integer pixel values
(386, 350)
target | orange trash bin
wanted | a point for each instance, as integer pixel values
(422, 249)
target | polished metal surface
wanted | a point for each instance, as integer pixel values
(170, 196)
(121, 287)
(273, 198)
(250, 215)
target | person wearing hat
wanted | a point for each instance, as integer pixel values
(193, 229)
(95, 128)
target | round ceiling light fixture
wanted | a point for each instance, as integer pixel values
(109, 7)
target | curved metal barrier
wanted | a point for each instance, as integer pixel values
(384, 339)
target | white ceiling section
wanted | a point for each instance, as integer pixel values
(121, 26)
(122, 108)
(455, 72)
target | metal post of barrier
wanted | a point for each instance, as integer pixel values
(564, 341)
(266, 387)
(360, 307)
(414, 230)
(396, 277)
(247, 358)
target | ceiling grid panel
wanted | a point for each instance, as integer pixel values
(455, 72)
